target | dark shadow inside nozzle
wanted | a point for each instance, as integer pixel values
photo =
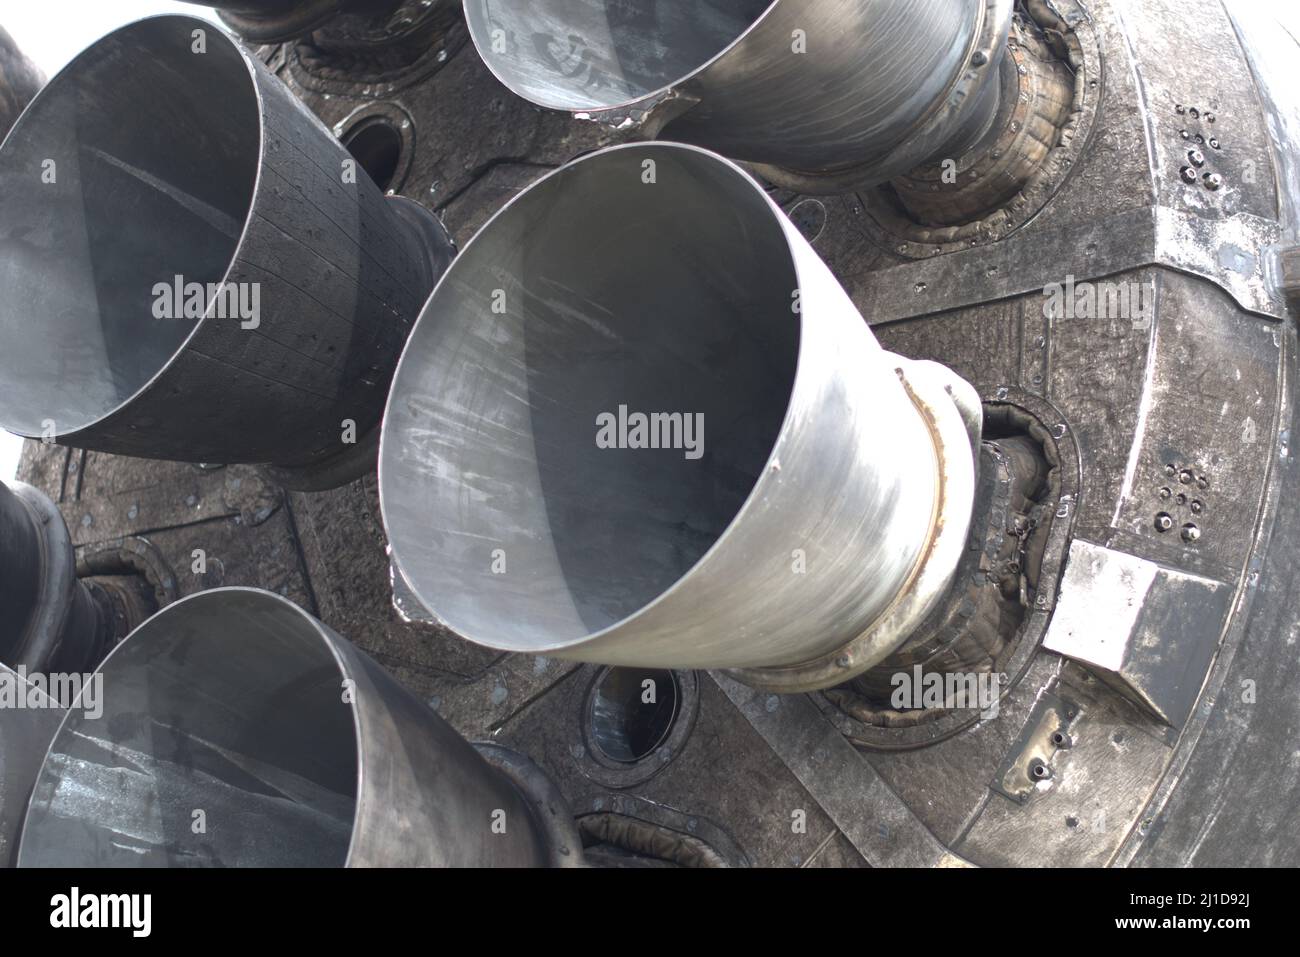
(377, 146)
(595, 54)
(134, 166)
(590, 396)
(625, 723)
(225, 740)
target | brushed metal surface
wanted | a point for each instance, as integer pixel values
(237, 730)
(148, 158)
(25, 734)
(815, 490)
(807, 85)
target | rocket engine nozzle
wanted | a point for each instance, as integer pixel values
(49, 620)
(837, 93)
(234, 729)
(640, 423)
(26, 729)
(191, 266)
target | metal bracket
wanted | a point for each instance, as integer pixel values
(1028, 765)
(1230, 253)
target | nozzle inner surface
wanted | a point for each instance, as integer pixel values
(135, 165)
(596, 317)
(598, 54)
(224, 741)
